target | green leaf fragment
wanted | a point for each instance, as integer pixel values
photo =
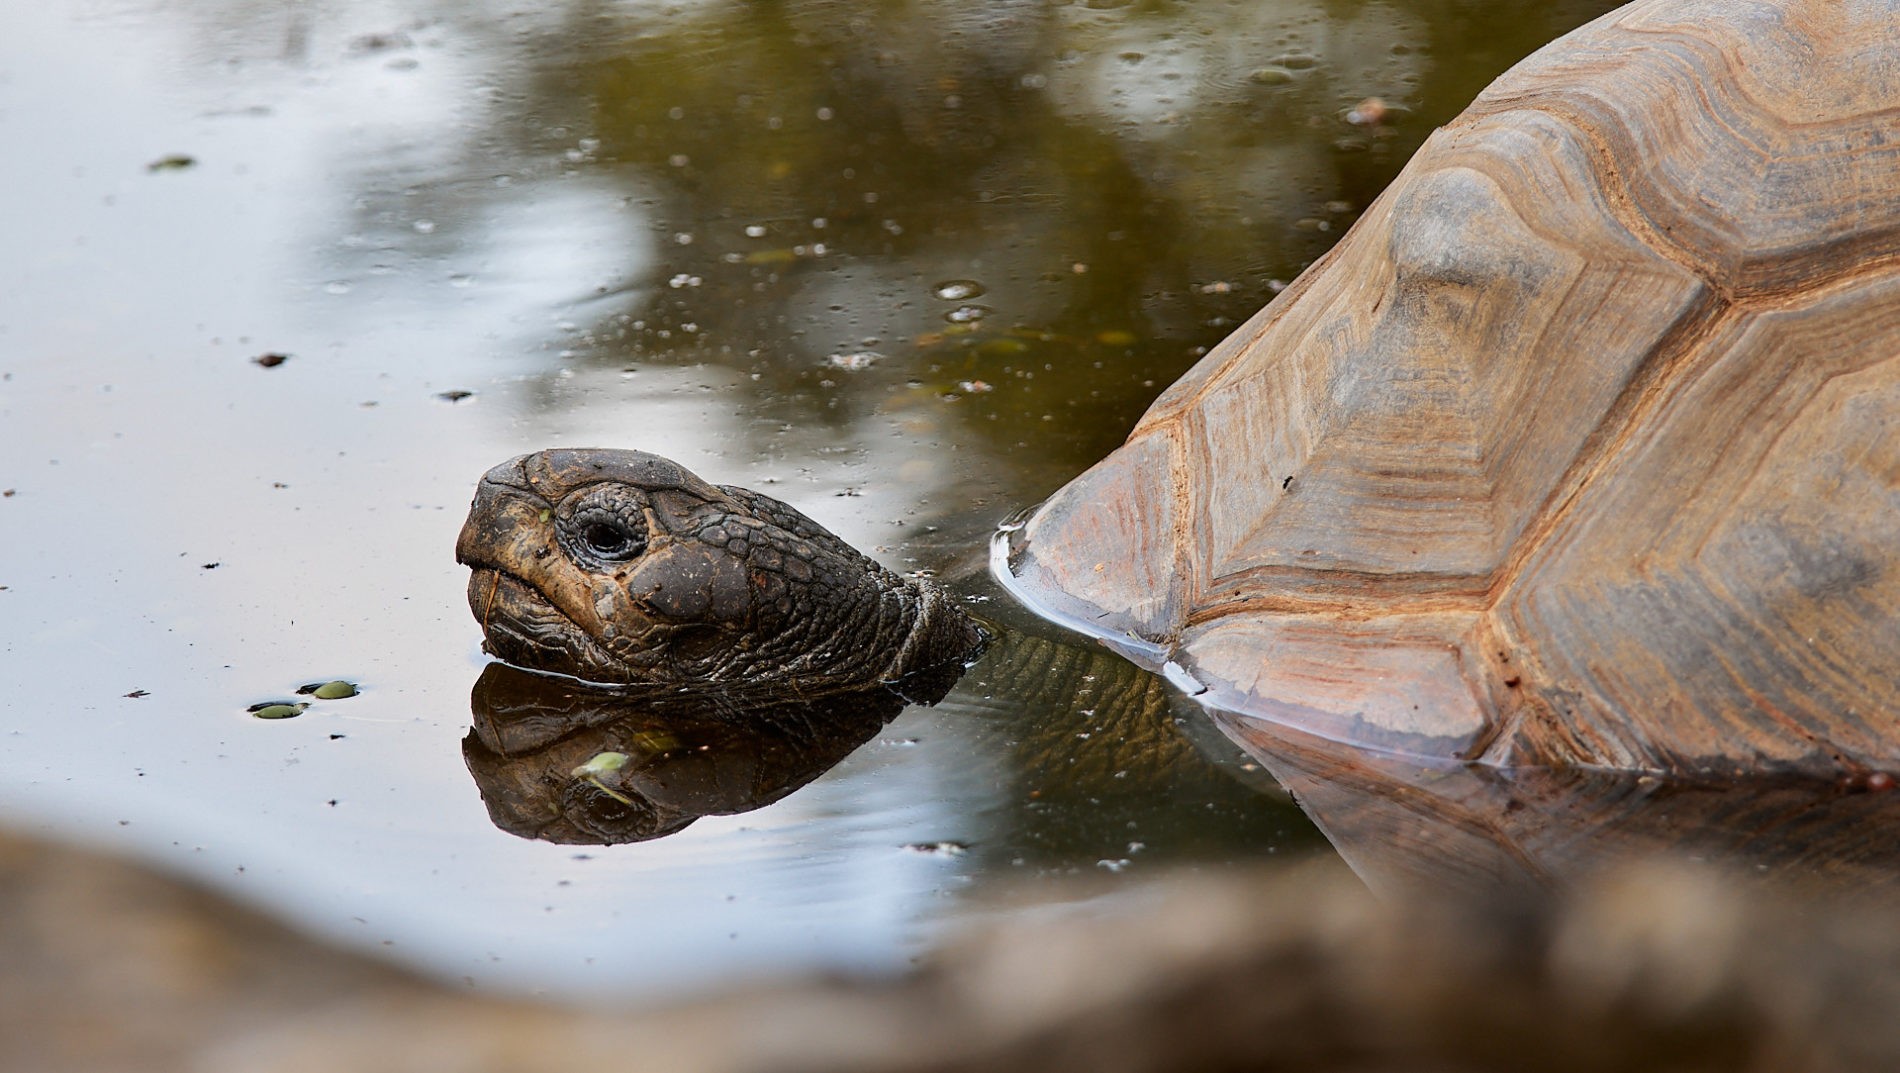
(601, 764)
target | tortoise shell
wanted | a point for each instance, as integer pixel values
(1581, 447)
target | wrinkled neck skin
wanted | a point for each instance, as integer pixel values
(621, 567)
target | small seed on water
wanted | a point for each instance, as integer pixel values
(278, 711)
(336, 690)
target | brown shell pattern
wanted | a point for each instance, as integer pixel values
(1582, 447)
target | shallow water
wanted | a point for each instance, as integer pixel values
(909, 267)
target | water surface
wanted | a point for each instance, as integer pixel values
(909, 266)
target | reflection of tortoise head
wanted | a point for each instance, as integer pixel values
(560, 761)
(621, 566)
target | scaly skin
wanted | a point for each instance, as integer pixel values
(622, 567)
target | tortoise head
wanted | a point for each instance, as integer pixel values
(623, 567)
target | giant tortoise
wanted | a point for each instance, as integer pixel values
(1581, 447)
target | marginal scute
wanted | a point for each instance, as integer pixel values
(1397, 682)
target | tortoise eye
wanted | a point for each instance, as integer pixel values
(611, 541)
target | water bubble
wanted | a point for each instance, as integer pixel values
(957, 290)
(968, 313)
(755, 231)
(336, 286)
(424, 227)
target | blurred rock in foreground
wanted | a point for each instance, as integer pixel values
(106, 966)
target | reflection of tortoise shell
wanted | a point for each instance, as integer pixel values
(1582, 447)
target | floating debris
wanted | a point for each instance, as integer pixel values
(601, 764)
(336, 690)
(381, 42)
(1368, 113)
(172, 162)
(270, 360)
(137, 693)
(969, 313)
(654, 742)
(939, 849)
(456, 395)
(1116, 337)
(278, 709)
(958, 290)
(862, 359)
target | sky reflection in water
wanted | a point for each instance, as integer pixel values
(713, 230)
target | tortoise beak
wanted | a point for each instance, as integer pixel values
(506, 510)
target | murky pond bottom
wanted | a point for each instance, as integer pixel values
(281, 283)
